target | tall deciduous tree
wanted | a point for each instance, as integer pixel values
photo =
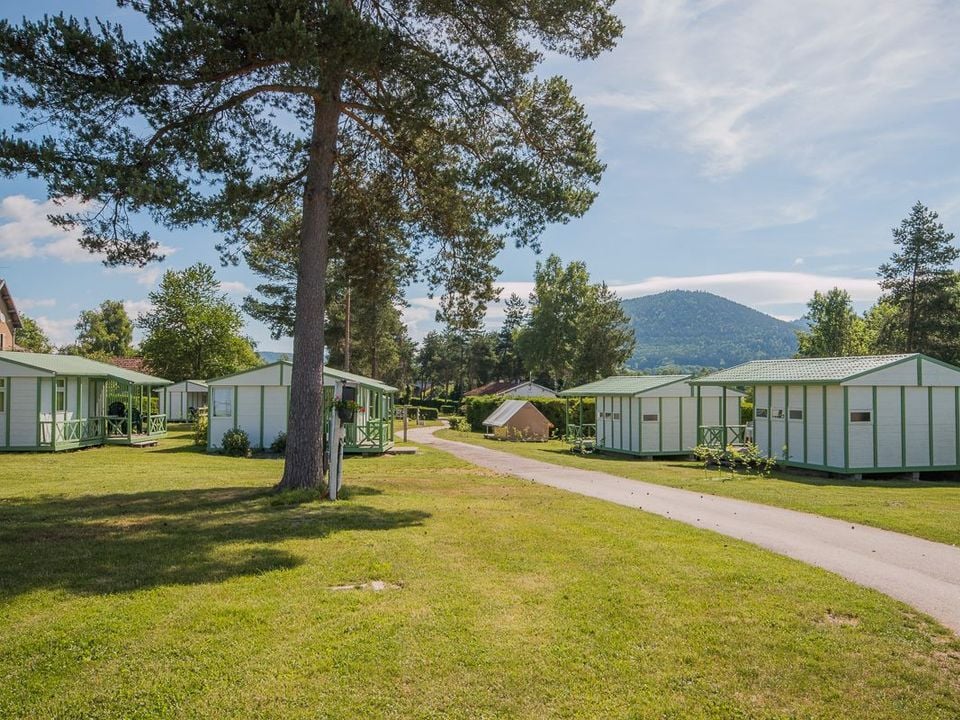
(232, 103)
(105, 332)
(920, 284)
(577, 331)
(32, 337)
(192, 329)
(835, 328)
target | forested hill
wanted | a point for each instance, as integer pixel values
(698, 329)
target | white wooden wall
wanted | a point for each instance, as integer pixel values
(903, 439)
(621, 427)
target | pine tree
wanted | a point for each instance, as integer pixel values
(920, 284)
(231, 106)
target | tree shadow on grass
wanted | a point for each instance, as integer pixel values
(124, 542)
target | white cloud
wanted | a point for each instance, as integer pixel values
(136, 307)
(234, 287)
(27, 233)
(33, 304)
(60, 331)
(736, 82)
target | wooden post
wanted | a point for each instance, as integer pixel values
(346, 339)
(699, 415)
(723, 417)
(406, 409)
(150, 409)
(129, 412)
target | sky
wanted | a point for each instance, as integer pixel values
(760, 150)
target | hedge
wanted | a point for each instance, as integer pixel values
(478, 408)
(426, 413)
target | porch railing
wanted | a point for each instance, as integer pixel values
(373, 433)
(158, 425)
(712, 435)
(581, 432)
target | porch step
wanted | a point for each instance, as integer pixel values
(142, 443)
(403, 450)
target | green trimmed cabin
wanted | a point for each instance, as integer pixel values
(258, 402)
(851, 415)
(64, 402)
(649, 415)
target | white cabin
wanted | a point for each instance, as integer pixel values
(181, 400)
(650, 415)
(853, 415)
(258, 402)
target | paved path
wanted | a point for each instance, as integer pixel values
(922, 573)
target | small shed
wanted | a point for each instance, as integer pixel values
(518, 420)
(181, 400)
(258, 402)
(650, 415)
(63, 402)
(853, 415)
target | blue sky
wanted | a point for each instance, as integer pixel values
(759, 150)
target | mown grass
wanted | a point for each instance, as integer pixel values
(169, 583)
(927, 509)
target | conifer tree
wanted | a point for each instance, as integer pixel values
(919, 282)
(228, 106)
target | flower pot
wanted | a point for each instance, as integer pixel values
(346, 415)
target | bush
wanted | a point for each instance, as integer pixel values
(459, 423)
(448, 409)
(479, 407)
(279, 444)
(747, 457)
(235, 443)
(200, 427)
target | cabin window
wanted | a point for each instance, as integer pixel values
(860, 416)
(760, 413)
(223, 402)
(61, 395)
(616, 416)
(778, 413)
(796, 415)
(651, 417)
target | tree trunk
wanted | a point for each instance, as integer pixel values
(304, 456)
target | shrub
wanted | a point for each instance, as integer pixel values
(235, 443)
(459, 423)
(479, 407)
(747, 457)
(426, 413)
(448, 409)
(279, 444)
(200, 427)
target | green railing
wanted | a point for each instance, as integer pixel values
(713, 435)
(79, 430)
(372, 434)
(158, 425)
(116, 425)
(587, 431)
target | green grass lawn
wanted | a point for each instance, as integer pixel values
(925, 509)
(169, 583)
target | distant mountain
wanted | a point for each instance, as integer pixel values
(691, 330)
(270, 357)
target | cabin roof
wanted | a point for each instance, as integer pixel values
(801, 370)
(80, 366)
(623, 385)
(327, 372)
(11, 307)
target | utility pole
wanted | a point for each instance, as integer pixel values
(346, 339)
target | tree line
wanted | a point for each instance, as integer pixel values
(191, 331)
(917, 311)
